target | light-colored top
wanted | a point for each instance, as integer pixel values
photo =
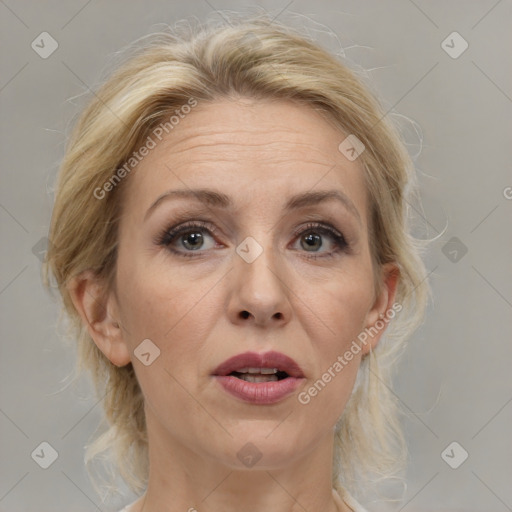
(344, 498)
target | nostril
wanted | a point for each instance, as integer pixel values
(245, 314)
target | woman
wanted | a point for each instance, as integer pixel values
(230, 239)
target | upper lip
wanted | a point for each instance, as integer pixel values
(271, 359)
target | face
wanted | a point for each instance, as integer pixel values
(256, 264)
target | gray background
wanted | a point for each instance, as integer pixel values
(454, 381)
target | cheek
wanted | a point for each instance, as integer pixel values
(342, 303)
(150, 296)
(172, 310)
(176, 315)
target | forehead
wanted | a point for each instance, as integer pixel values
(270, 128)
(247, 148)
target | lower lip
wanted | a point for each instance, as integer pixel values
(261, 393)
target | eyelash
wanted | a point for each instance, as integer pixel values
(169, 235)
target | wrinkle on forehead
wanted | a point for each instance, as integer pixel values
(281, 145)
(252, 131)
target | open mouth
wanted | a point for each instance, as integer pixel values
(259, 374)
(259, 379)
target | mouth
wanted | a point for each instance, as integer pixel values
(270, 366)
(259, 374)
(260, 379)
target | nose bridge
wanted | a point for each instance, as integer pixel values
(258, 264)
(259, 285)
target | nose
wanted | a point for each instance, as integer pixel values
(259, 292)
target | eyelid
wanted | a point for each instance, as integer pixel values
(341, 243)
(342, 225)
(172, 233)
(176, 229)
(316, 225)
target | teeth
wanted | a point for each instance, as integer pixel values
(268, 371)
(258, 378)
(261, 371)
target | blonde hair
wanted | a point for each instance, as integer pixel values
(259, 59)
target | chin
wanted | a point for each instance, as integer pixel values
(262, 448)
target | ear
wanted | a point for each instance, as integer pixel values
(384, 301)
(98, 309)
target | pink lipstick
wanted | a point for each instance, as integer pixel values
(261, 379)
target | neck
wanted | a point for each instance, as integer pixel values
(184, 480)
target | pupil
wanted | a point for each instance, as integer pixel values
(194, 238)
(313, 241)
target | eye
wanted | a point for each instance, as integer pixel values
(192, 238)
(189, 237)
(318, 236)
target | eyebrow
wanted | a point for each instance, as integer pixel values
(220, 200)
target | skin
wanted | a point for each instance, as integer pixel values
(259, 153)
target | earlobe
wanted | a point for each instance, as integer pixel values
(95, 305)
(377, 319)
